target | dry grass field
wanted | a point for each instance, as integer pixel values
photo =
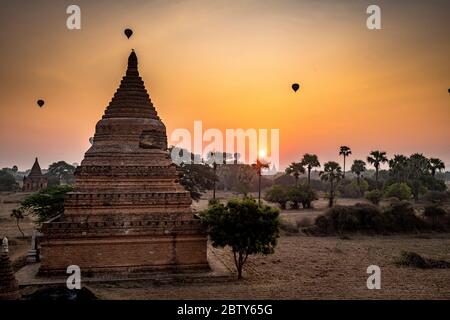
(302, 267)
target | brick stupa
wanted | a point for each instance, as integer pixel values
(128, 212)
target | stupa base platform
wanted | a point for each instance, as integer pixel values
(136, 248)
(218, 271)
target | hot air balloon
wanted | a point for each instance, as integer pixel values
(128, 33)
(295, 87)
(448, 90)
(40, 103)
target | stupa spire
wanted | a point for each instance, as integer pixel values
(131, 99)
(132, 64)
(36, 169)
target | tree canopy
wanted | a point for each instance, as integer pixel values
(243, 225)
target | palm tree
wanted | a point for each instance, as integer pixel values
(398, 167)
(310, 161)
(344, 151)
(258, 166)
(332, 173)
(357, 168)
(295, 169)
(376, 158)
(436, 165)
(215, 158)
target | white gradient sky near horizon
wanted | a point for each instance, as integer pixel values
(231, 65)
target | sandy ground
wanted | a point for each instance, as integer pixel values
(302, 267)
(8, 228)
(317, 268)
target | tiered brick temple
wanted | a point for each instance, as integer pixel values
(35, 180)
(128, 211)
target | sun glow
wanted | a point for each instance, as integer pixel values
(262, 153)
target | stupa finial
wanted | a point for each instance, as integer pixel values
(132, 60)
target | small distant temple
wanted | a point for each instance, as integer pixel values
(35, 180)
(128, 212)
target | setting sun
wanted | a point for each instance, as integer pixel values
(262, 153)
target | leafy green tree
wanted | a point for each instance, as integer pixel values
(243, 225)
(196, 178)
(18, 214)
(295, 169)
(277, 194)
(245, 177)
(345, 152)
(7, 181)
(436, 165)
(301, 194)
(374, 196)
(377, 158)
(60, 172)
(351, 188)
(47, 203)
(331, 173)
(399, 190)
(295, 195)
(310, 161)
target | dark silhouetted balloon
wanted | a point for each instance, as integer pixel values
(448, 90)
(295, 86)
(40, 103)
(128, 33)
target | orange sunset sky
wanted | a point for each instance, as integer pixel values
(230, 63)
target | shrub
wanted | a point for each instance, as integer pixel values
(398, 190)
(301, 194)
(412, 259)
(324, 224)
(213, 202)
(350, 189)
(373, 196)
(277, 194)
(304, 222)
(288, 227)
(360, 217)
(438, 197)
(401, 217)
(367, 218)
(434, 213)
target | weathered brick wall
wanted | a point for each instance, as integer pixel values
(129, 254)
